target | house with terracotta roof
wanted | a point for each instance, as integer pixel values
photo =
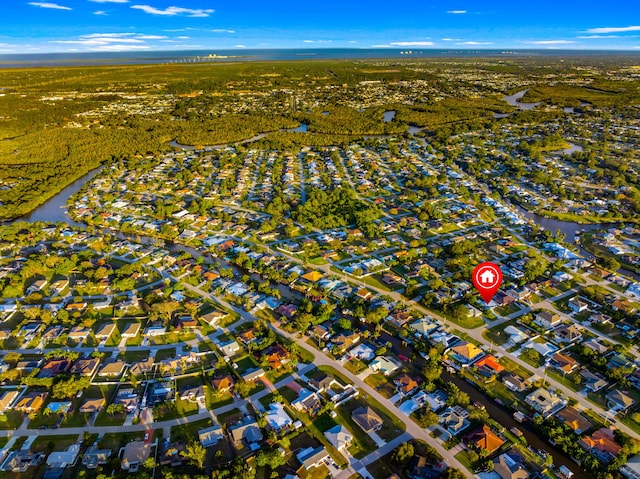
(484, 438)
(601, 444)
(54, 367)
(574, 420)
(488, 365)
(466, 353)
(405, 384)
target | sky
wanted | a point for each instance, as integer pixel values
(153, 25)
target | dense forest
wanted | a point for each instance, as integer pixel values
(58, 123)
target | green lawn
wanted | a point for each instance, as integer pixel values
(53, 443)
(355, 366)
(11, 420)
(186, 432)
(380, 383)
(465, 460)
(514, 367)
(174, 409)
(166, 353)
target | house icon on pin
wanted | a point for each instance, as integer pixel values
(487, 277)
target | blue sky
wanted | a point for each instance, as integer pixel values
(147, 25)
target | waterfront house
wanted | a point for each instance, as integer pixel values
(484, 438)
(544, 402)
(601, 444)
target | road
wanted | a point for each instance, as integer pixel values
(412, 429)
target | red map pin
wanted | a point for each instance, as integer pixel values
(487, 278)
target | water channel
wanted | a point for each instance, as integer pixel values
(54, 210)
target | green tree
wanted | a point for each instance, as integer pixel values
(196, 454)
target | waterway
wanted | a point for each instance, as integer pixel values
(514, 100)
(388, 116)
(54, 210)
(504, 417)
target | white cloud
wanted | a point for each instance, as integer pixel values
(100, 12)
(183, 37)
(549, 42)
(474, 43)
(120, 48)
(172, 11)
(222, 30)
(240, 46)
(317, 41)
(54, 6)
(457, 12)
(599, 36)
(412, 44)
(109, 1)
(635, 28)
(151, 37)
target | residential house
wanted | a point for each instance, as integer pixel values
(405, 384)
(246, 431)
(515, 383)
(91, 406)
(223, 384)
(339, 437)
(321, 382)
(345, 340)
(229, 348)
(601, 444)
(142, 367)
(488, 365)
(131, 330)
(112, 369)
(574, 420)
(466, 353)
(7, 399)
(631, 470)
(277, 418)
(547, 320)
(252, 374)
(593, 382)
(544, 402)
(134, 454)
(63, 459)
(367, 419)
(79, 333)
(384, 365)
(94, 457)
(214, 317)
(509, 466)
(563, 363)
(568, 334)
(85, 367)
(454, 419)
(31, 402)
(310, 457)
(193, 394)
(618, 401)
(577, 305)
(105, 331)
(54, 367)
(484, 438)
(210, 436)
(307, 401)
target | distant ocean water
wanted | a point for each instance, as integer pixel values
(131, 58)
